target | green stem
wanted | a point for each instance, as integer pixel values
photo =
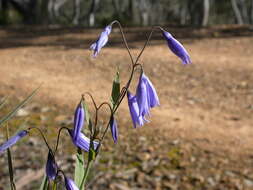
(86, 173)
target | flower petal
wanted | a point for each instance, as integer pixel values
(114, 129)
(141, 97)
(177, 48)
(102, 40)
(82, 141)
(51, 167)
(70, 184)
(78, 119)
(153, 99)
(13, 140)
(134, 110)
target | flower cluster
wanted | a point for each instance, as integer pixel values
(139, 104)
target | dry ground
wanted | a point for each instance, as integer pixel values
(208, 103)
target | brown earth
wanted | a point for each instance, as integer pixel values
(208, 104)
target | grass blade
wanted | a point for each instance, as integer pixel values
(44, 183)
(3, 102)
(10, 165)
(12, 113)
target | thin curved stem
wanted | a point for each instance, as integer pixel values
(58, 138)
(107, 104)
(146, 43)
(93, 101)
(124, 39)
(41, 133)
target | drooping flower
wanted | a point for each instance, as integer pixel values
(142, 97)
(82, 141)
(152, 96)
(134, 110)
(13, 140)
(102, 40)
(114, 129)
(177, 48)
(78, 119)
(70, 184)
(51, 166)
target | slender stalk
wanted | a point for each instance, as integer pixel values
(124, 40)
(86, 173)
(58, 138)
(146, 43)
(42, 135)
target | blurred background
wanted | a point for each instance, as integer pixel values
(93, 13)
(200, 137)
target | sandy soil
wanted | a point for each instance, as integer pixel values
(209, 102)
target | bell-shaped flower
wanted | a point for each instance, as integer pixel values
(70, 184)
(177, 48)
(114, 129)
(82, 141)
(13, 140)
(51, 166)
(102, 40)
(134, 110)
(78, 119)
(142, 97)
(152, 96)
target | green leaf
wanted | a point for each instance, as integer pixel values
(115, 89)
(44, 183)
(12, 113)
(79, 169)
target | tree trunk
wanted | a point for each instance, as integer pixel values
(134, 12)
(92, 12)
(77, 11)
(251, 14)
(183, 13)
(4, 11)
(206, 9)
(57, 5)
(244, 11)
(237, 12)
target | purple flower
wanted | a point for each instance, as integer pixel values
(142, 97)
(70, 184)
(114, 129)
(82, 141)
(152, 97)
(134, 110)
(102, 40)
(51, 167)
(177, 48)
(13, 140)
(78, 120)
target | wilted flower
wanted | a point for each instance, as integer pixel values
(82, 141)
(13, 140)
(152, 97)
(102, 40)
(51, 167)
(134, 110)
(70, 184)
(78, 119)
(114, 129)
(177, 48)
